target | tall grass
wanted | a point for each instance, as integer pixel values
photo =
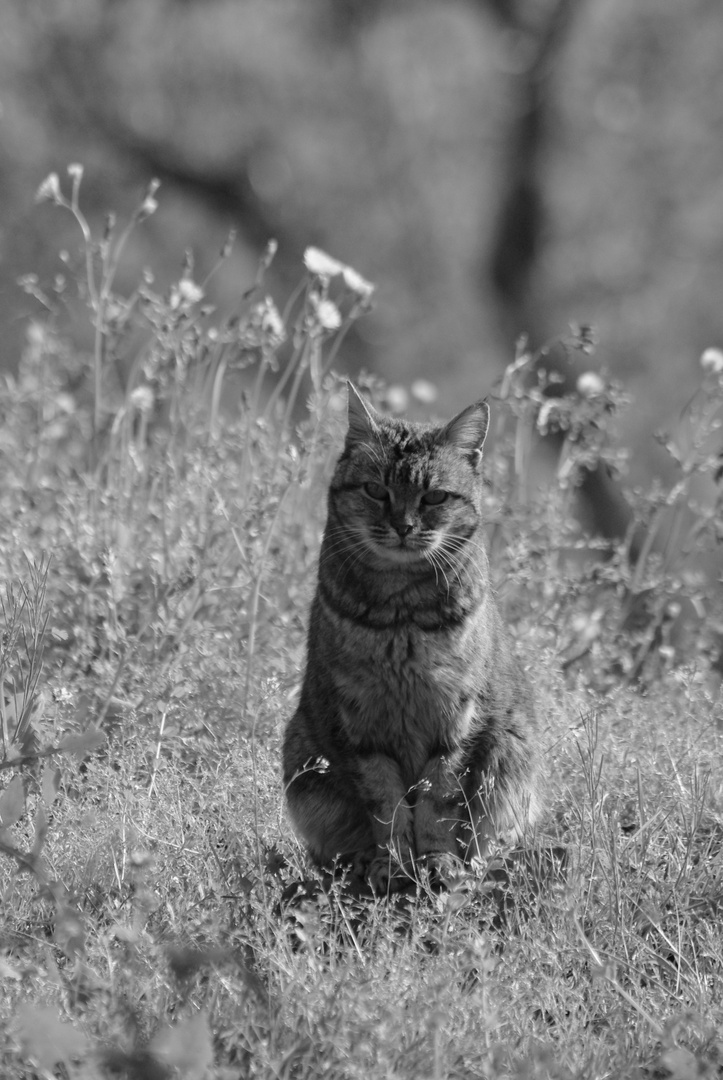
(161, 502)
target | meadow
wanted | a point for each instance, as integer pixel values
(161, 506)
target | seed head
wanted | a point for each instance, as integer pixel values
(318, 262)
(49, 190)
(712, 361)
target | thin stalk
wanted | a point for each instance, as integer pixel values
(256, 595)
(334, 350)
(293, 394)
(216, 394)
(276, 392)
(650, 538)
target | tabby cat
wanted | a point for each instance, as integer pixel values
(414, 740)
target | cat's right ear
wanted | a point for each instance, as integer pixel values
(363, 418)
(468, 430)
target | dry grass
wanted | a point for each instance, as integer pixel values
(161, 559)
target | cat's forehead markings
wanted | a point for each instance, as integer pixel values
(405, 441)
(410, 470)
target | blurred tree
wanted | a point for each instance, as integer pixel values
(536, 35)
(497, 166)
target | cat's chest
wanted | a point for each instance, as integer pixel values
(407, 686)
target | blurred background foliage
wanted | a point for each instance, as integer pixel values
(495, 166)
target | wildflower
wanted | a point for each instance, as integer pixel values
(38, 336)
(142, 399)
(271, 322)
(590, 384)
(49, 190)
(424, 391)
(328, 314)
(150, 203)
(147, 207)
(228, 245)
(356, 283)
(318, 262)
(75, 172)
(190, 292)
(397, 399)
(141, 859)
(28, 283)
(114, 310)
(584, 337)
(267, 258)
(554, 415)
(543, 416)
(185, 293)
(712, 361)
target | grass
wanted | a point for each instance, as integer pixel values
(158, 536)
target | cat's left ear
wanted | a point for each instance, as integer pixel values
(468, 430)
(363, 417)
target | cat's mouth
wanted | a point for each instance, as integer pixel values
(399, 550)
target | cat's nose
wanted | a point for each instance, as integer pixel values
(403, 528)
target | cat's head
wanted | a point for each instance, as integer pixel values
(405, 492)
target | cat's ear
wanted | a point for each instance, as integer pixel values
(468, 430)
(363, 417)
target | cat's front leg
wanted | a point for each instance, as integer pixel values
(382, 789)
(438, 813)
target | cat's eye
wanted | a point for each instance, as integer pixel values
(375, 491)
(434, 497)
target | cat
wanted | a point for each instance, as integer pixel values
(414, 742)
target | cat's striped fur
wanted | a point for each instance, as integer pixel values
(415, 732)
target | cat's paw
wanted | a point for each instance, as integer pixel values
(444, 870)
(386, 874)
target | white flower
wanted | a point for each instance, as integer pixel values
(37, 335)
(396, 399)
(75, 172)
(142, 399)
(356, 283)
(148, 207)
(590, 384)
(49, 190)
(150, 203)
(185, 293)
(424, 391)
(318, 262)
(328, 315)
(271, 322)
(712, 361)
(543, 417)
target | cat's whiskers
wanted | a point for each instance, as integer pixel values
(432, 557)
(453, 542)
(453, 564)
(350, 541)
(374, 544)
(452, 548)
